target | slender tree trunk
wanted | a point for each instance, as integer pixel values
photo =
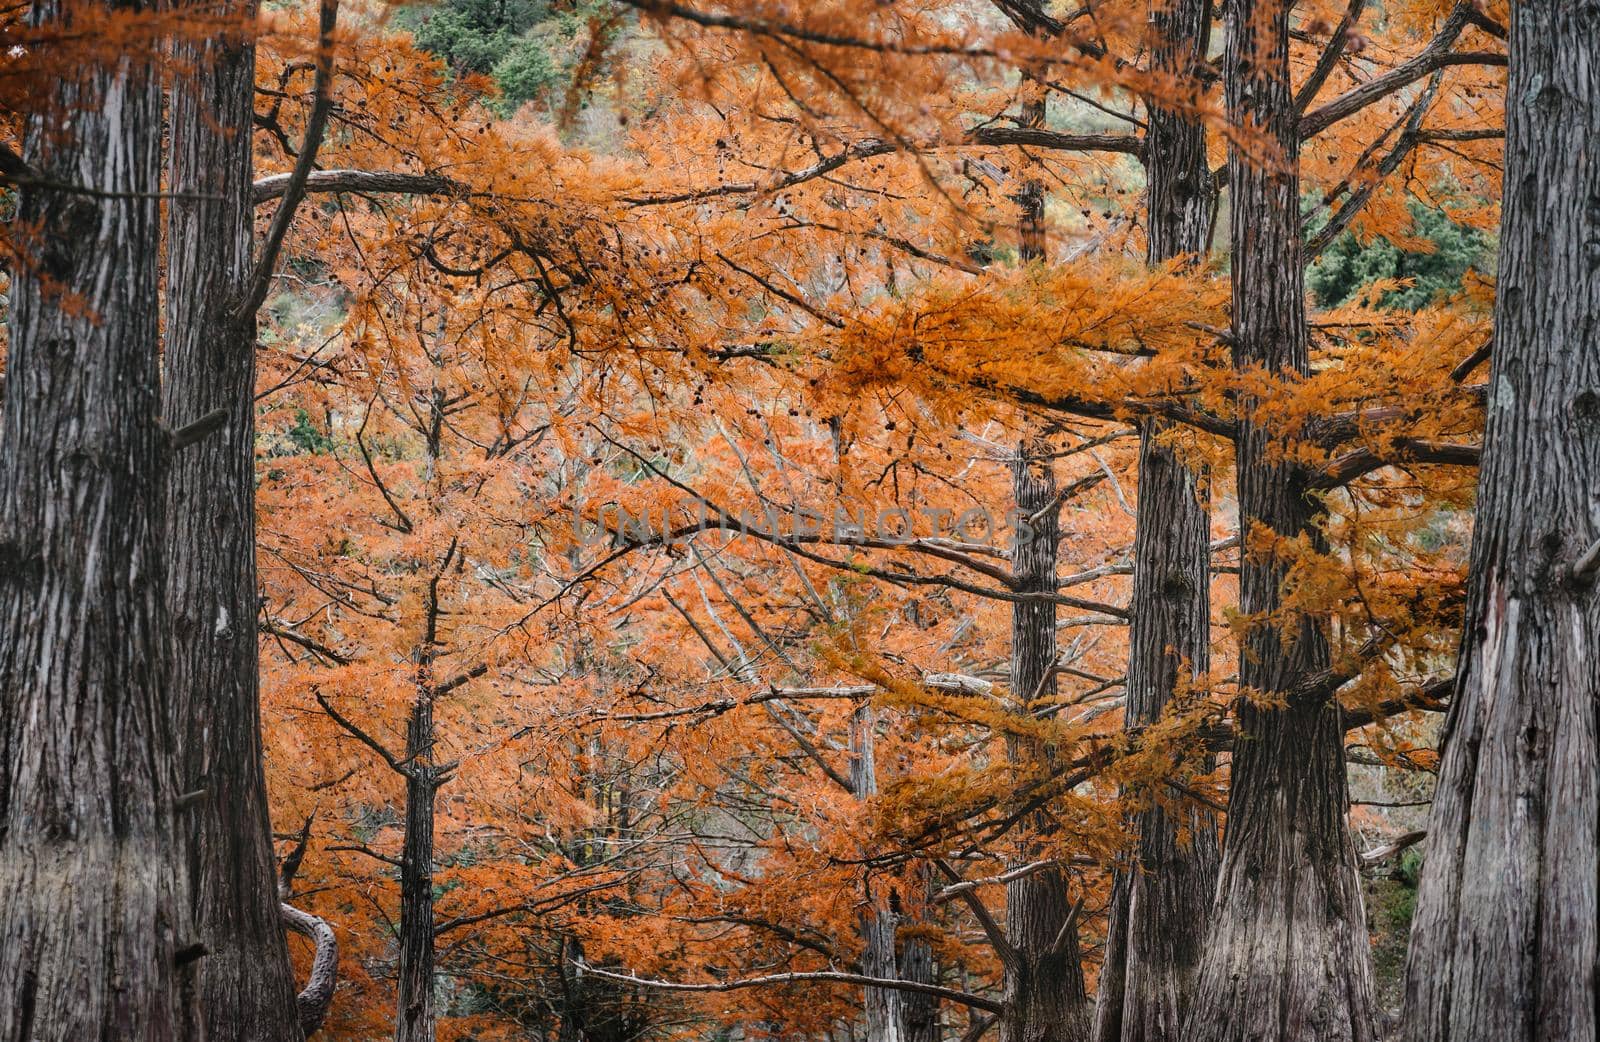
(247, 984)
(1505, 942)
(1286, 958)
(1160, 910)
(897, 1016)
(94, 940)
(415, 1016)
(919, 1013)
(1045, 996)
(881, 1006)
(1033, 244)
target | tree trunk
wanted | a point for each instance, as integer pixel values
(1160, 910)
(414, 1019)
(1505, 944)
(919, 1014)
(1287, 955)
(881, 1006)
(1032, 242)
(247, 986)
(1045, 997)
(94, 940)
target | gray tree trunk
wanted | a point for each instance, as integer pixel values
(882, 1006)
(919, 1013)
(1045, 995)
(415, 1018)
(1160, 910)
(1504, 945)
(1286, 959)
(247, 986)
(94, 937)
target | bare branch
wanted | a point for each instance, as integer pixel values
(1393, 847)
(388, 182)
(991, 928)
(294, 188)
(1330, 56)
(1435, 56)
(820, 976)
(1359, 462)
(316, 997)
(363, 737)
(191, 433)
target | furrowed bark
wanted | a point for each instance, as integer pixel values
(1286, 958)
(1045, 996)
(247, 984)
(1160, 909)
(415, 1017)
(1504, 944)
(94, 935)
(882, 1006)
(919, 1013)
(890, 1013)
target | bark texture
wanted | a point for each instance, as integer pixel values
(247, 985)
(1286, 958)
(316, 998)
(1045, 996)
(891, 1015)
(93, 923)
(881, 1006)
(1504, 944)
(415, 1017)
(919, 1013)
(1160, 910)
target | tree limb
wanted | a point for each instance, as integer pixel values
(1436, 55)
(275, 186)
(294, 188)
(821, 976)
(1359, 462)
(394, 762)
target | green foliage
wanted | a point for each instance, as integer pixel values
(1391, 903)
(307, 436)
(526, 72)
(1410, 873)
(527, 46)
(472, 36)
(1346, 267)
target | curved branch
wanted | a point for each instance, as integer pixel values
(317, 996)
(394, 762)
(820, 976)
(1393, 847)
